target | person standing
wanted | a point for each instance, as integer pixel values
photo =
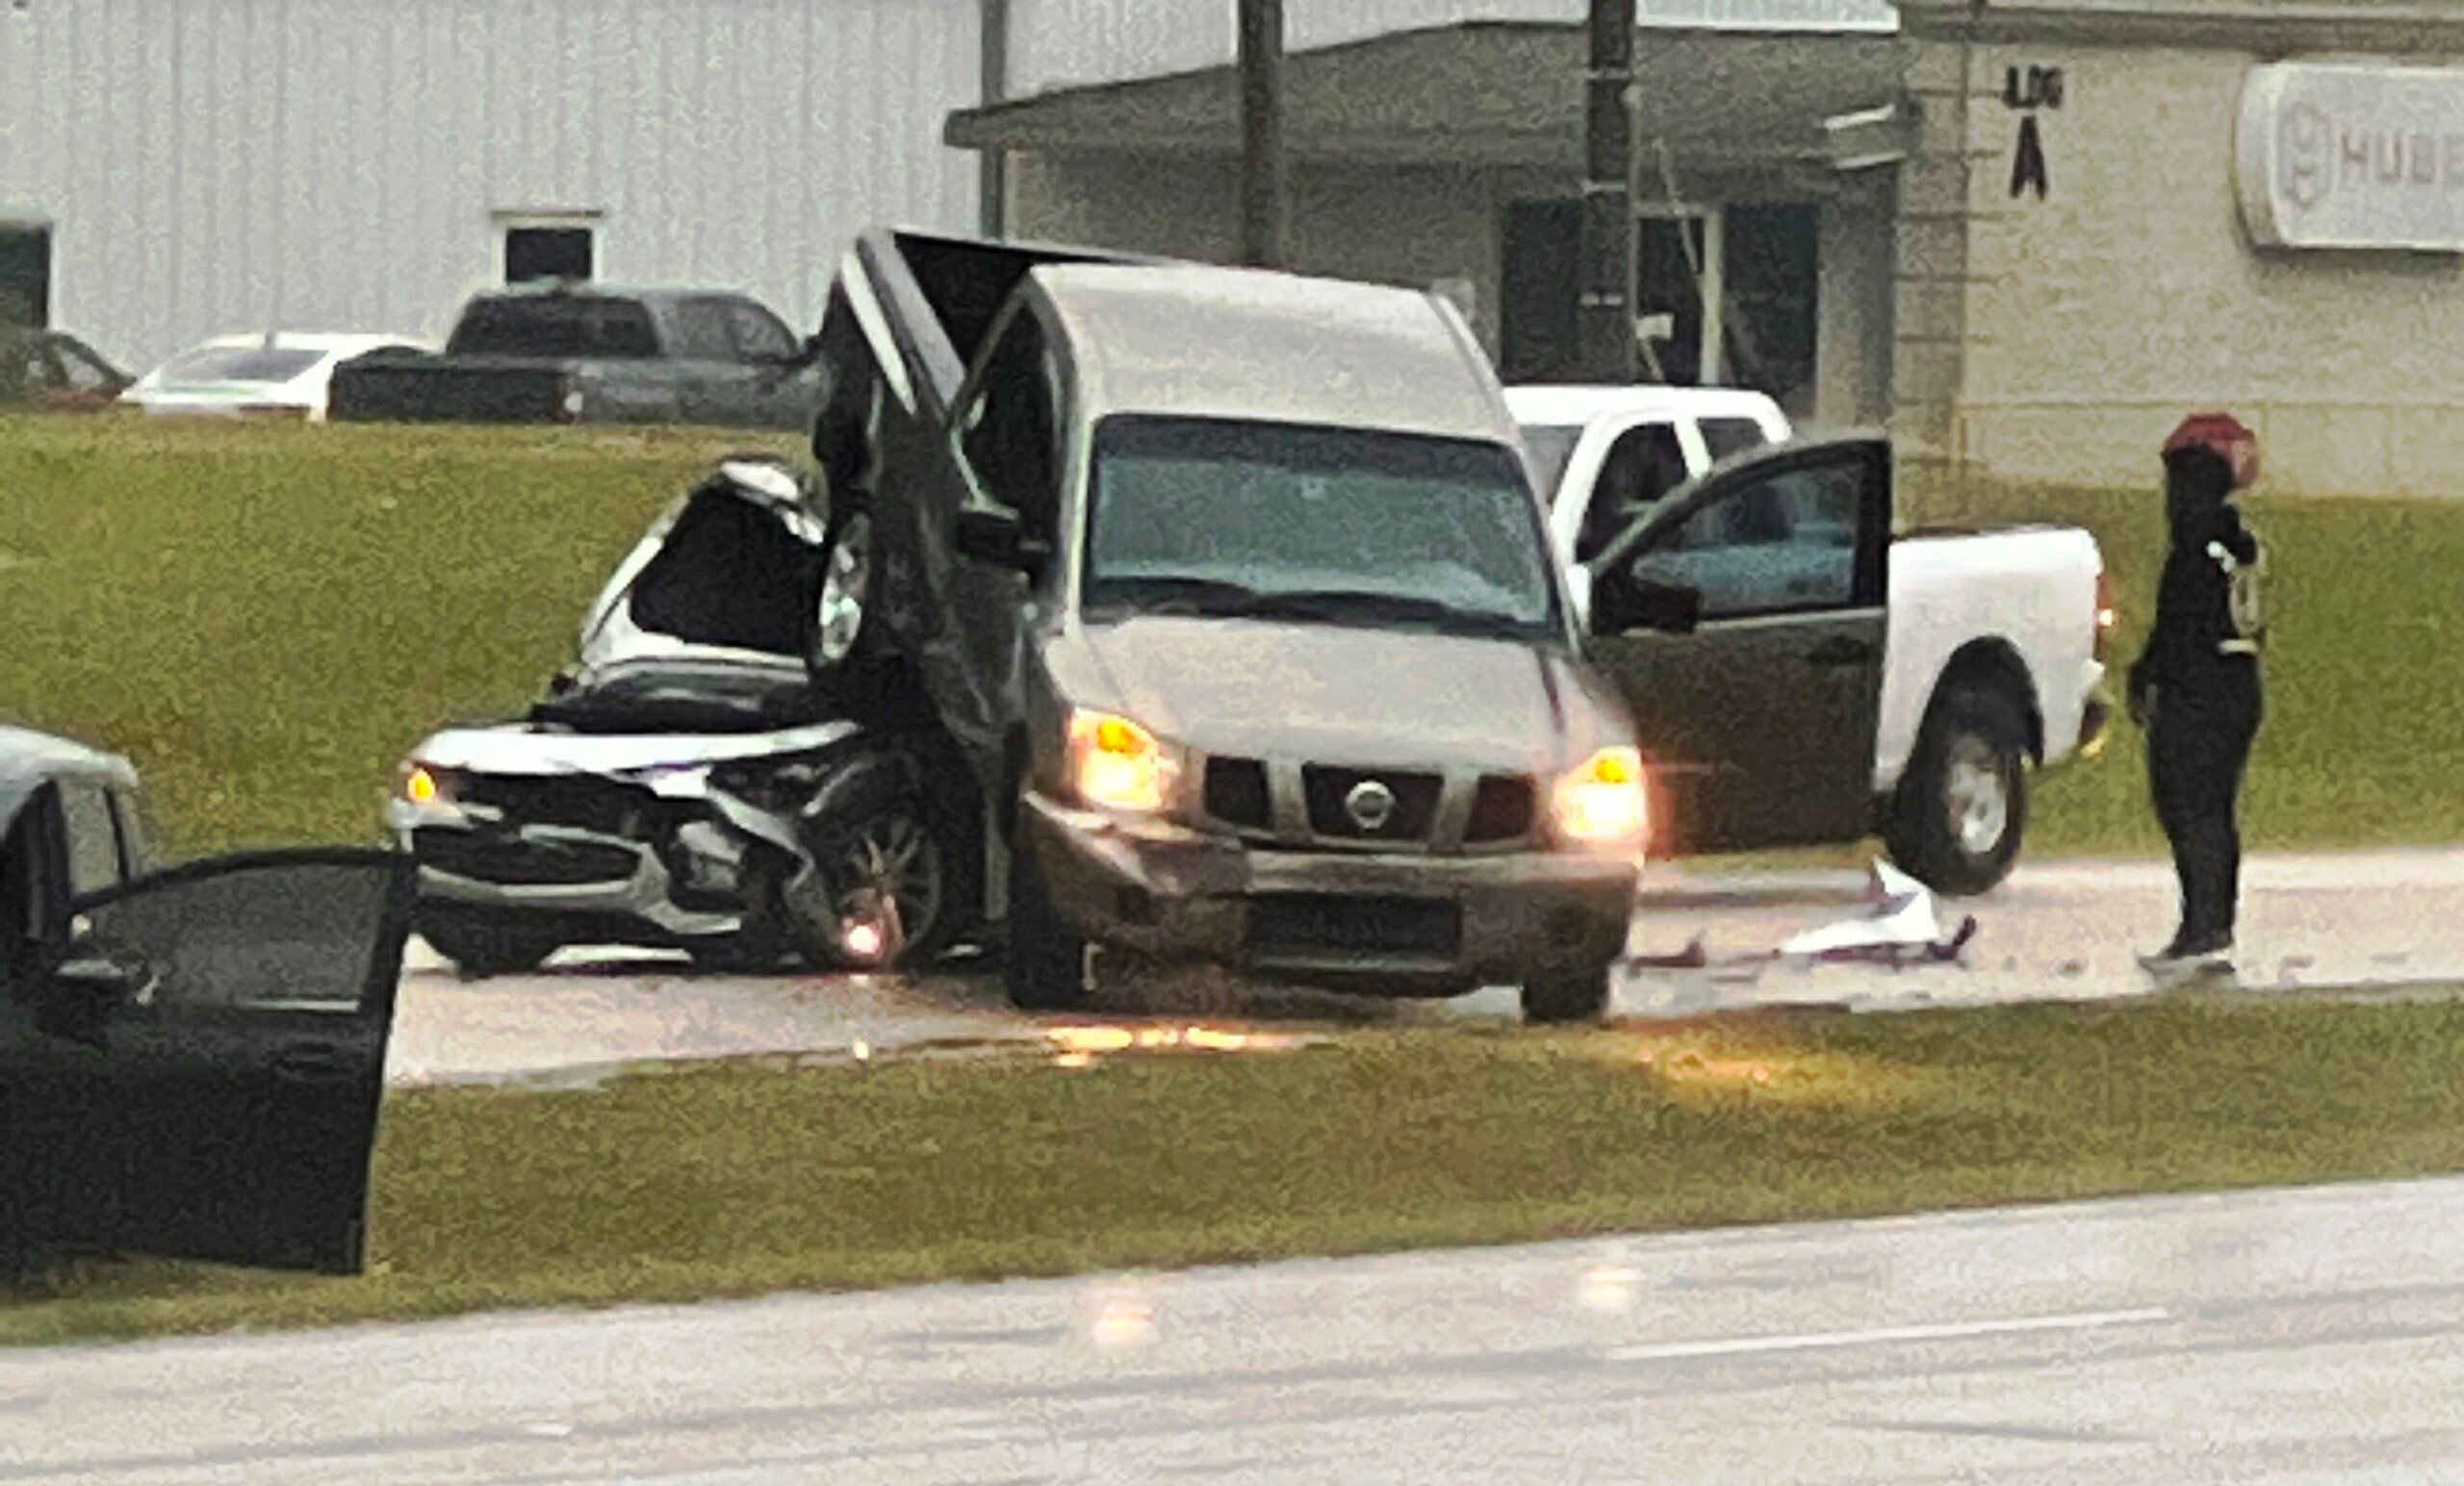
(2195, 688)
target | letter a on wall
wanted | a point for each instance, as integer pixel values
(2027, 166)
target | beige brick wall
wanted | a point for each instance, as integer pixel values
(2093, 320)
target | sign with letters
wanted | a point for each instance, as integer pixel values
(2352, 155)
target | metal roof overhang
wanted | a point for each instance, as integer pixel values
(1708, 102)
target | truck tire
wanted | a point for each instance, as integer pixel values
(1568, 993)
(1958, 819)
(480, 949)
(1045, 967)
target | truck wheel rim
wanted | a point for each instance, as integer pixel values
(895, 859)
(844, 581)
(1977, 794)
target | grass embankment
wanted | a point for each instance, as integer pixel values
(264, 617)
(739, 1181)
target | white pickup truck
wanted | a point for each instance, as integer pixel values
(1802, 674)
(1601, 456)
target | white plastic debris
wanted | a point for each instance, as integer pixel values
(1903, 923)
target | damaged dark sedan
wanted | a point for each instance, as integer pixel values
(192, 1056)
(708, 777)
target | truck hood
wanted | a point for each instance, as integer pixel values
(1346, 694)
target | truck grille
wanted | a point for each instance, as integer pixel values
(577, 800)
(519, 864)
(1503, 809)
(1409, 818)
(1284, 926)
(1236, 793)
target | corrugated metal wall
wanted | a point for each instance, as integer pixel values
(212, 163)
(1058, 42)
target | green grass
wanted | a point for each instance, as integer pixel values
(737, 1181)
(264, 617)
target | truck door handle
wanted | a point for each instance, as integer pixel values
(311, 1063)
(1840, 650)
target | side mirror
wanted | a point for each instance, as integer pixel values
(1623, 601)
(998, 537)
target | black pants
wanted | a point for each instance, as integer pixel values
(2198, 742)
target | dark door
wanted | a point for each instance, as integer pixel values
(1761, 722)
(227, 1021)
(1539, 313)
(1008, 452)
(35, 1115)
(714, 387)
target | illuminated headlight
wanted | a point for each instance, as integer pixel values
(1117, 764)
(1603, 802)
(420, 785)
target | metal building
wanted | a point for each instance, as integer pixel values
(176, 168)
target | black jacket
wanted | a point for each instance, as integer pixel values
(2208, 624)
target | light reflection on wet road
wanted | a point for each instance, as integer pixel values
(2060, 932)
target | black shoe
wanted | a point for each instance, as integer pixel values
(2206, 951)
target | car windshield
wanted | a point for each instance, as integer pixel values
(1553, 448)
(237, 364)
(1337, 525)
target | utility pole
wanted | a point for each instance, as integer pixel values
(1606, 317)
(1265, 196)
(993, 179)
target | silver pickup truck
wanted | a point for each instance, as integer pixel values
(1232, 590)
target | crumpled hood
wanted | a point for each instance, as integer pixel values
(1344, 694)
(522, 749)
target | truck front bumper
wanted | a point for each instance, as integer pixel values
(1393, 923)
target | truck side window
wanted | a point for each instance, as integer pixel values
(1646, 463)
(702, 332)
(1725, 436)
(757, 334)
(1011, 430)
(1782, 544)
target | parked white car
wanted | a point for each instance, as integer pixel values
(1603, 455)
(286, 374)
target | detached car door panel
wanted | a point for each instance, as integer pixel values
(235, 1030)
(1760, 721)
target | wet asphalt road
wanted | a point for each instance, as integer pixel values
(2281, 1337)
(2064, 930)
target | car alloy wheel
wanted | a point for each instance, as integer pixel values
(890, 858)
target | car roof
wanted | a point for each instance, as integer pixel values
(31, 759)
(594, 288)
(1207, 341)
(1553, 403)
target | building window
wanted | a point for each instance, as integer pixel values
(1772, 263)
(558, 252)
(25, 275)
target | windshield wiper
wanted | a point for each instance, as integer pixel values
(1169, 595)
(1343, 605)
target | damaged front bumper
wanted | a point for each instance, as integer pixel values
(617, 839)
(1392, 923)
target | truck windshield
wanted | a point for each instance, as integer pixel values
(1329, 525)
(554, 325)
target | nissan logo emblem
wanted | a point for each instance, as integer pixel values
(1371, 805)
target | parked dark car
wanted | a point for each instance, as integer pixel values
(595, 354)
(191, 1055)
(56, 372)
(703, 778)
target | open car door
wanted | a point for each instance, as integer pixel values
(221, 1028)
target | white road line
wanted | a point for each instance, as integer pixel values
(1946, 1331)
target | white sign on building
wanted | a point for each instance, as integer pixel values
(2352, 155)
